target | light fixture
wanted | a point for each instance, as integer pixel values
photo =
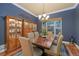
(44, 16)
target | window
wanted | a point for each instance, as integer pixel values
(54, 26)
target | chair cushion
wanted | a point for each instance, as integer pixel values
(37, 51)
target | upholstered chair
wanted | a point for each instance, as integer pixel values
(28, 49)
(36, 34)
(31, 36)
(50, 35)
(55, 49)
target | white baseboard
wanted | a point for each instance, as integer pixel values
(65, 42)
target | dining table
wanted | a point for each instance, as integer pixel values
(43, 43)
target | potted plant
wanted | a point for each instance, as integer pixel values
(44, 32)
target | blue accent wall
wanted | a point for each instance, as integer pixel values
(67, 23)
(77, 25)
(8, 9)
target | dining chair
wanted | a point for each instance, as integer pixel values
(28, 49)
(55, 41)
(36, 34)
(59, 34)
(55, 49)
(31, 36)
(50, 35)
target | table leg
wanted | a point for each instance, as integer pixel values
(44, 54)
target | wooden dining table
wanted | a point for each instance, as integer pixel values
(43, 43)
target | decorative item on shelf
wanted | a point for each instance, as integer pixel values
(26, 23)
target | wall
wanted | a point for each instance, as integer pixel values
(8, 9)
(77, 25)
(68, 22)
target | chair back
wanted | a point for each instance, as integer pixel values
(50, 35)
(36, 35)
(59, 43)
(26, 46)
(59, 35)
(31, 36)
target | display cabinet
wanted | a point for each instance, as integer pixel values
(18, 31)
(13, 31)
(34, 28)
(28, 26)
(25, 28)
(16, 27)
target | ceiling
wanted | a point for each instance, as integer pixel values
(37, 8)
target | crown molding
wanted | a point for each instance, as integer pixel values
(24, 9)
(73, 7)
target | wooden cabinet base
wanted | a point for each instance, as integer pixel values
(10, 53)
